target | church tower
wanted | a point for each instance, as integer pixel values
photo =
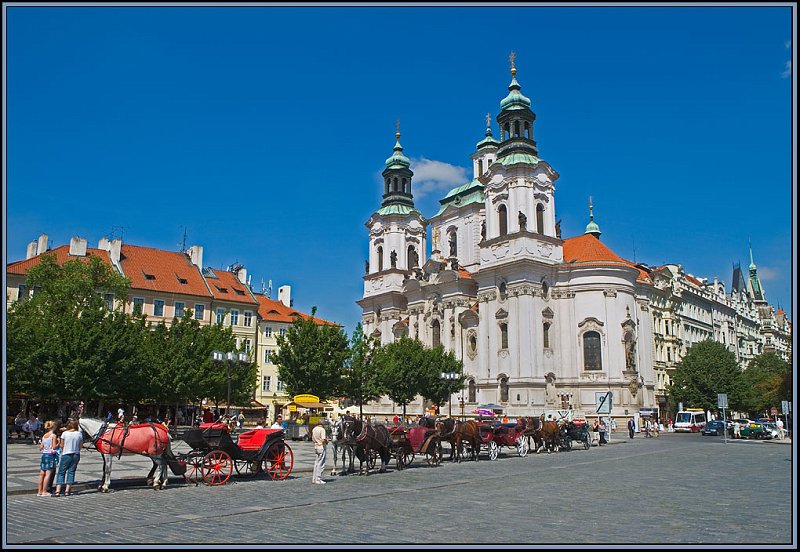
(396, 248)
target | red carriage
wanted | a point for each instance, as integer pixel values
(494, 437)
(215, 455)
(408, 442)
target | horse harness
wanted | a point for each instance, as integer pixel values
(126, 430)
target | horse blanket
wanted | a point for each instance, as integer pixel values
(148, 438)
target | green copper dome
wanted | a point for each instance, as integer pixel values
(397, 160)
(592, 228)
(515, 99)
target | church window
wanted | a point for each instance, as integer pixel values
(546, 335)
(516, 129)
(386, 187)
(502, 290)
(437, 340)
(502, 216)
(591, 351)
(507, 131)
(396, 185)
(527, 130)
(540, 218)
(471, 396)
(504, 389)
(480, 167)
(380, 259)
(405, 184)
(504, 336)
(413, 259)
(473, 343)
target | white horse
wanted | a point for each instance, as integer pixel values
(151, 440)
(339, 443)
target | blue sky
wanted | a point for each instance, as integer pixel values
(263, 130)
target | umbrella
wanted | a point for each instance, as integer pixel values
(483, 412)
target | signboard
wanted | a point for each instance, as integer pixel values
(785, 407)
(722, 400)
(292, 408)
(305, 398)
(603, 402)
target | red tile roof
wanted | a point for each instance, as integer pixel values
(693, 280)
(587, 249)
(227, 287)
(464, 274)
(275, 311)
(62, 256)
(164, 271)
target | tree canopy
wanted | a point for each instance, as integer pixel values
(707, 369)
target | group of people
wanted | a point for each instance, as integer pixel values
(27, 428)
(60, 453)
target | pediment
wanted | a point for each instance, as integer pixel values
(501, 313)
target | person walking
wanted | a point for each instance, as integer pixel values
(631, 428)
(47, 463)
(240, 419)
(596, 432)
(70, 443)
(602, 429)
(779, 425)
(320, 440)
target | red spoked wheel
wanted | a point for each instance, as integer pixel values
(217, 467)
(278, 461)
(194, 468)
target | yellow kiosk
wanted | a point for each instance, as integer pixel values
(305, 411)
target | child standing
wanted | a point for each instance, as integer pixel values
(47, 464)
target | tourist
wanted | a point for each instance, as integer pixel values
(320, 440)
(48, 460)
(70, 443)
(631, 428)
(779, 425)
(278, 424)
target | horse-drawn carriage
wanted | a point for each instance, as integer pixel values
(574, 430)
(407, 442)
(215, 455)
(495, 436)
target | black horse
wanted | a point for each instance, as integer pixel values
(370, 442)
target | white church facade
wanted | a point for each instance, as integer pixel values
(540, 322)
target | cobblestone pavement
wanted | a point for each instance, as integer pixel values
(675, 489)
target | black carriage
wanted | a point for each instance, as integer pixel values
(574, 430)
(215, 455)
(406, 443)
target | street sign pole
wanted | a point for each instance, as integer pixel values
(722, 402)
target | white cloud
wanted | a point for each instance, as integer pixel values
(432, 176)
(769, 274)
(788, 71)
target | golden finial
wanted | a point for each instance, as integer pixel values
(511, 58)
(397, 126)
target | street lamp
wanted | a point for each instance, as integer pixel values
(229, 358)
(450, 376)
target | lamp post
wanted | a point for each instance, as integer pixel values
(229, 358)
(450, 376)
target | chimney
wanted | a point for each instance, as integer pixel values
(285, 295)
(77, 247)
(196, 255)
(242, 275)
(104, 244)
(114, 251)
(31, 250)
(41, 246)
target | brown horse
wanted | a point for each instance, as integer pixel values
(549, 435)
(370, 441)
(458, 434)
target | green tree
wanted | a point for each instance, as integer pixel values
(401, 367)
(360, 382)
(707, 369)
(311, 358)
(763, 383)
(434, 387)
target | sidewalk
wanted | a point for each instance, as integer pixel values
(22, 467)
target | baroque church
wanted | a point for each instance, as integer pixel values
(540, 322)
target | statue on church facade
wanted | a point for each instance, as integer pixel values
(393, 258)
(523, 221)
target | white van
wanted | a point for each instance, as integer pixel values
(690, 420)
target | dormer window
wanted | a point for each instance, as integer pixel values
(149, 276)
(182, 281)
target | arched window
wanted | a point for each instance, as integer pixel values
(527, 130)
(380, 258)
(396, 185)
(507, 130)
(405, 183)
(516, 129)
(540, 218)
(437, 333)
(546, 335)
(503, 389)
(386, 187)
(502, 216)
(504, 336)
(480, 167)
(502, 289)
(471, 389)
(591, 351)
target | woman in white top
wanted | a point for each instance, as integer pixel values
(70, 443)
(47, 464)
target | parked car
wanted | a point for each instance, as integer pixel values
(771, 429)
(750, 429)
(714, 427)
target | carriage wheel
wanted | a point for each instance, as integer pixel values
(278, 461)
(522, 446)
(372, 459)
(434, 456)
(404, 458)
(494, 450)
(247, 467)
(568, 443)
(194, 467)
(217, 467)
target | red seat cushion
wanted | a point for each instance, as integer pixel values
(255, 438)
(214, 425)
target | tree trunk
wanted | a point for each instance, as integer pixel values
(99, 408)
